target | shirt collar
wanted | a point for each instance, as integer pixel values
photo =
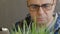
(53, 22)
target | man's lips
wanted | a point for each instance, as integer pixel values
(40, 19)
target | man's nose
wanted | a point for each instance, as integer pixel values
(40, 11)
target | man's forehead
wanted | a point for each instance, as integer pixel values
(39, 1)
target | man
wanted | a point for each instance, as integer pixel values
(42, 12)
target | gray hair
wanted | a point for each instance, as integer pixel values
(57, 7)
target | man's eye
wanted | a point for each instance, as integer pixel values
(46, 6)
(33, 6)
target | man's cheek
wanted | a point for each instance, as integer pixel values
(49, 13)
(33, 17)
(33, 14)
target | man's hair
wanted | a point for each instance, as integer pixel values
(53, 0)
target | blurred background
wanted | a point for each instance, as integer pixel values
(12, 11)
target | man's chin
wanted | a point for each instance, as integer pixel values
(41, 22)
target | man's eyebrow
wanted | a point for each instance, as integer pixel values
(46, 4)
(34, 5)
(39, 5)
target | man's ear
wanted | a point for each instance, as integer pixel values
(27, 2)
(54, 2)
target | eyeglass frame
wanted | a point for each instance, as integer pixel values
(38, 6)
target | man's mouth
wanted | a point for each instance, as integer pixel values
(40, 19)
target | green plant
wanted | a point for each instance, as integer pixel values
(28, 30)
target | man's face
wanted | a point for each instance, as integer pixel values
(41, 10)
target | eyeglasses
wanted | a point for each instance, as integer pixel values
(35, 7)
